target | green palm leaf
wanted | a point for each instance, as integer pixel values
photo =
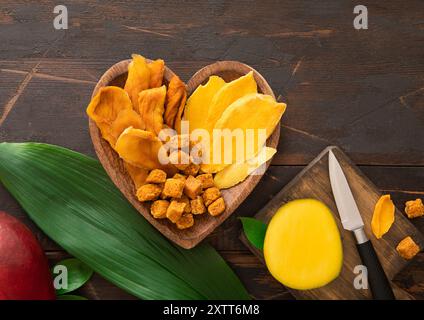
(70, 197)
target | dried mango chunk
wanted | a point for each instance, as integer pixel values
(407, 248)
(141, 148)
(246, 123)
(199, 102)
(175, 101)
(157, 69)
(383, 216)
(138, 78)
(111, 110)
(226, 95)
(151, 107)
(237, 172)
(138, 175)
(414, 208)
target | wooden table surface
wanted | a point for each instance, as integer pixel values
(362, 90)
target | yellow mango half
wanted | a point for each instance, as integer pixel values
(237, 172)
(383, 216)
(111, 109)
(197, 107)
(253, 117)
(138, 78)
(302, 246)
(226, 95)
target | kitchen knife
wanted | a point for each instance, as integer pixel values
(352, 221)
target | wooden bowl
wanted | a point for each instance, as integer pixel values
(203, 224)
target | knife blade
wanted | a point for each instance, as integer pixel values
(352, 221)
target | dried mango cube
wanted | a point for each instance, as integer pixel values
(192, 187)
(175, 211)
(206, 179)
(197, 206)
(173, 188)
(210, 195)
(185, 221)
(148, 192)
(156, 176)
(414, 208)
(407, 248)
(158, 209)
(217, 207)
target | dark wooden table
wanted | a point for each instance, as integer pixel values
(362, 90)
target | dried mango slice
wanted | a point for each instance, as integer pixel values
(249, 117)
(126, 118)
(151, 107)
(157, 69)
(226, 95)
(199, 102)
(237, 172)
(138, 175)
(383, 217)
(141, 148)
(138, 78)
(175, 101)
(111, 109)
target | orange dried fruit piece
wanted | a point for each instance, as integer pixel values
(138, 78)
(141, 148)
(185, 221)
(148, 192)
(157, 69)
(414, 208)
(383, 216)
(407, 248)
(176, 97)
(112, 111)
(138, 175)
(151, 107)
(199, 102)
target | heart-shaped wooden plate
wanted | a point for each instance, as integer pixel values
(204, 224)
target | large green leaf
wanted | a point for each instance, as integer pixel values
(73, 201)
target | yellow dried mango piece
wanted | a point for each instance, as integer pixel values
(141, 148)
(151, 107)
(226, 95)
(111, 110)
(138, 175)
(157, 69)
(383, 216)
(237, 172)
(176, 97)
(126, 118)
(246, 123)
(138, 78)
(199, 102)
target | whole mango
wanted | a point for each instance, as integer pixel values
(24, 270)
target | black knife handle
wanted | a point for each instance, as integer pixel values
(377, 279)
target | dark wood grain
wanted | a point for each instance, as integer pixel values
(361, 90)
(313, 182)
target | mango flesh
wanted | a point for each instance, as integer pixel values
(238, 172)
(302, 246)
(383, 216)
(198, 104)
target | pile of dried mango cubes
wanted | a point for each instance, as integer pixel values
(133, 120)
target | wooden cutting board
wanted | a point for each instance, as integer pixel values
(313, 182)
